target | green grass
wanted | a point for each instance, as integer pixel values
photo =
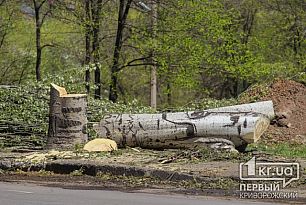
(282, 149)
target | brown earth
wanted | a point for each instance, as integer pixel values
(289, 99)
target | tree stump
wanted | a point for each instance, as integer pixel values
(67, 119)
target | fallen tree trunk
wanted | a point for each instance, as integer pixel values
(241, 124)
(264, 108)
(67, 118)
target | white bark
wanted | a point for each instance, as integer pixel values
(153, 67)
(241, 124)
(264, 108)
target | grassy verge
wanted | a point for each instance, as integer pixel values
(126, 181)
(287, 150)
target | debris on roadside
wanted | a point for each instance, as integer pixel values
(101, 145)
(38, 157)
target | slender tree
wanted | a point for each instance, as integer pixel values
(4, 24)
(96, 15)
(40, 17)
(87, 43)
(124, 7)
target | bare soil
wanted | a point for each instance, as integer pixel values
(289, 99)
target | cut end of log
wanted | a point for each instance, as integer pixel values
(62, 91)
(260, 127)
(74, 96)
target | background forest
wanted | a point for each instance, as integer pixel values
(196, 49)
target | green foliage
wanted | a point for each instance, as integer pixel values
(255, 92)
(99, 108)
(278, 40)
(28, 104)
(25, 105)
(199, 46)
(203, 104)
(205, 40)
(281, 149)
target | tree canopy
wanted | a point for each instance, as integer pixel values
(201, 48)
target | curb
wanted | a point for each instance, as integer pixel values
(93, 168)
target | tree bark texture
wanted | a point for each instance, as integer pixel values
(124, 8)
(87, 45)
(38, 40)
(96, 15)
(153, 101)
(39, 21)
(241, 124)
(67, 118)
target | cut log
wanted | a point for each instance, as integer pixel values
(264, 108)
(241, 124)
(67, 119)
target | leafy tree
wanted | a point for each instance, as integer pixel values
(124, 7)
(42, 9)
(201, 48)
(196, 38)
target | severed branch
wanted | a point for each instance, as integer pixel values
(48, 45)
(131, 63)
(2, 39)
(44, 17)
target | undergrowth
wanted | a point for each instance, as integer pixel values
(27, 105)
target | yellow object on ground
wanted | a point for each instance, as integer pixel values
(101, 145)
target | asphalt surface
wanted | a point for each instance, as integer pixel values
(29, 194)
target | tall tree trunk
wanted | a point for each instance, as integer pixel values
(87, 45)
(96, 11)
(153, 67)
(249, 19)
(38, 40)
(124, 8)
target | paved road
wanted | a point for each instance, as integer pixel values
(29, 194)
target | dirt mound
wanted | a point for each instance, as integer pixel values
(289, 99)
